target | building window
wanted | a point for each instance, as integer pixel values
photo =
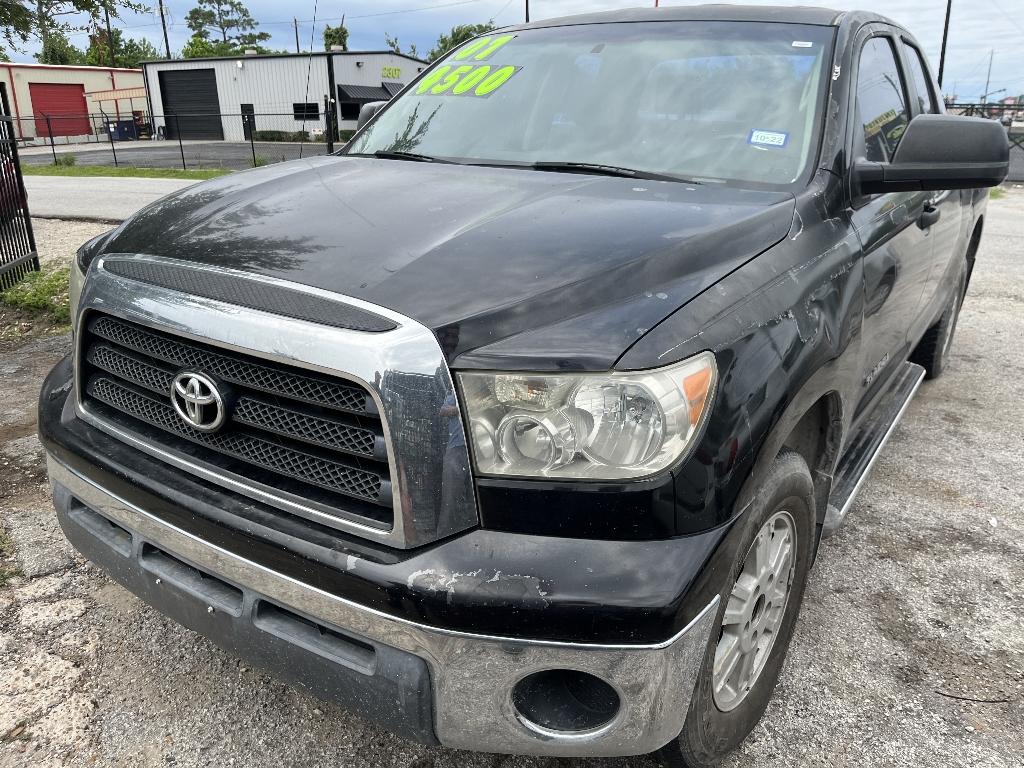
(349, 109)
(309, 111)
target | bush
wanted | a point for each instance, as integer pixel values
(43, 293)
(259, 161)
(346, 134)
(65, 160)
(280, 136)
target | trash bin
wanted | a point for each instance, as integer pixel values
(122, 130)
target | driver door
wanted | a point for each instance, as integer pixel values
(895, 241)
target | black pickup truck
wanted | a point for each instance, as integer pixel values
(515, 425)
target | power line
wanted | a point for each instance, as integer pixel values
(1007, 16)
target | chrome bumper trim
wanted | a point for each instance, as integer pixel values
(472, 674)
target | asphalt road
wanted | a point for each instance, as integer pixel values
(96, 198)
(167, 154)
(909, 650)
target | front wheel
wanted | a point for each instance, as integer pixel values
(756, 619)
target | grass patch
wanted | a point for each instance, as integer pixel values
(6, 544)
(123, 172)
(997, 193)
(6, 550)
(43, 295)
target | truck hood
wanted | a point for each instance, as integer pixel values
(510, 267)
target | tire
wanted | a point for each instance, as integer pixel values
(932, 352)
(711, 732)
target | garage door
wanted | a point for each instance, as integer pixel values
(191, 105)
(64, 104)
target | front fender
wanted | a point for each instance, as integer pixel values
(786, 332)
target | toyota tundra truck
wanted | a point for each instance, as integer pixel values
(515, 425)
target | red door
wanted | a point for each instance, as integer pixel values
(64, 104)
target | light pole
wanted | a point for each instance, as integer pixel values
(945, 37)
(988, 77)
(163, 23)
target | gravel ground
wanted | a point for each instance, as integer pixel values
(909, 650)
(57, 239)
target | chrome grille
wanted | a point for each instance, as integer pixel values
(233, 369)
(288, 429)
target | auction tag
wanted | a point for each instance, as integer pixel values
(774, 139)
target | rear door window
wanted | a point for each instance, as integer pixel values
(926, 103)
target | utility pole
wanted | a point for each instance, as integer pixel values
(163, 22)
(988, 77)
(527, 11)
(945, 37)
(111, 47)
(296, 21)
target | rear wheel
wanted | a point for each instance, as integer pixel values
(932, 352)
(756, 619)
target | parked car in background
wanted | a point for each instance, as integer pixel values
(515, 426)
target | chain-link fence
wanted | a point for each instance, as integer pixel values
(1012, 117)
(229, 141)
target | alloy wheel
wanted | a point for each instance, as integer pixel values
(754, 611)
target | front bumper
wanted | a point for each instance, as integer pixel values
(396, 672)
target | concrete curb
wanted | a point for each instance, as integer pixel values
(71, 217)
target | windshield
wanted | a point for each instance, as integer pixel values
(706, 101)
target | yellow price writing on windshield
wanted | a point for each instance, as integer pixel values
(465, 80)
(482, 48)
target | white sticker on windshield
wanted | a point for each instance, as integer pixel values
(776, 139)
(802, 44)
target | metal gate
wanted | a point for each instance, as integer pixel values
(18, 254)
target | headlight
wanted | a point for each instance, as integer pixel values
(600, 426)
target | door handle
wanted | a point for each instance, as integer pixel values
(928, 216)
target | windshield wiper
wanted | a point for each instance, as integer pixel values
(604, 170)
(385, 154)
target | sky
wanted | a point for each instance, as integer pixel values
(977, 27)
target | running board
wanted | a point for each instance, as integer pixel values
(867, 444)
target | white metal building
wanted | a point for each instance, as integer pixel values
(226, 97)
(78, 100)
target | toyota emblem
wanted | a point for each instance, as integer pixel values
(198, 401)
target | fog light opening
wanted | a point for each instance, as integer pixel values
(565, 700)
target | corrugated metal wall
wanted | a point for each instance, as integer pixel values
(276, 84)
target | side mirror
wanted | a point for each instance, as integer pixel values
(367, 111)
(940, 152)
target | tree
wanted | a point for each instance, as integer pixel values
(199, 47)
(130, 53)
(21, 19)
(457, 36)
(48, 16)
(16, 23)
(57, 49)
(393, 44)
(227, 19)
(335, 36)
